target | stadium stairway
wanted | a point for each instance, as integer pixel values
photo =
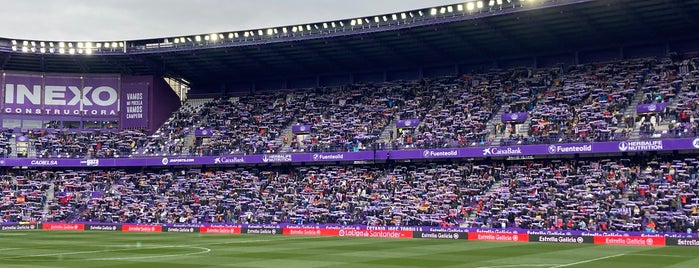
(50, 196)
(497, 118)
(385, 136)
(631, 111)
(286, 147)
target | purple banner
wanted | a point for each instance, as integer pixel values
(301, 128)
(203, 132)
(651, 108)
(134, 106)
(381, 155)
(101, 96)
(59, 95)
(408, 123)
(514, 117)
(22, 94)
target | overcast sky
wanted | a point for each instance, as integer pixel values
(108, 20)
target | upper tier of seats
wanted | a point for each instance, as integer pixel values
(581, 103)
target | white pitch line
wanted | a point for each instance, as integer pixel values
(586, 261)
(6, 249)
(658, 255)
(204, 250)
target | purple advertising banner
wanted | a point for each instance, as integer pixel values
(651, 108)
(514, 117)
(101, 95)
(22, 94)
(134, 106)
(61, 95)
(408, 123)
(203, 132)
(301, 128)
(381, 155)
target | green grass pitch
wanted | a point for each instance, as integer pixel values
(100, 249)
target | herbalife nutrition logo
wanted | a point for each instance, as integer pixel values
(625, 146)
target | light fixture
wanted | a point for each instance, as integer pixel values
(197, 38)
(470, 6)
(433, 11)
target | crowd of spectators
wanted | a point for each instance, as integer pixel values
(580, 103)
(635, 194)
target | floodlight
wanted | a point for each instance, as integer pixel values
(14, 48)
(385, 18)
(33, 49)
(14, 42)
(499, 2)
(80, 51)
(220, 36)
(71, 51)
(206, 38)
(270, 32)
(284, 30)
(433, 11)
(293, 29)
(182, 39)
(352, 23)
(43, 44)
(419, 12)
(308, 27)
(479, 4)
(198, 38)
(470, 6)
(177, 40)
(460, 7)
(88, 51)
(236, 35)
(394, 17)
(114, 44)
(62, 50)
(342, 24)
(25, 49)
(80, 44)
(377, 20)
(403, 16)
(260, 32)
(316, 26)
(332, 24)
(450, 9)
(246, 34)
(359, 21)
(442, 10)
(25, 43)
(33, 43)
(491, 3)
(230, 35)
(106, 45)
(51, 44)
(325, 25)
(52, 50)
(214, 37)
(42, 50)
(70, 44)
(88, 45)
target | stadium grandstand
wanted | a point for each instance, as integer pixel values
(571, 119)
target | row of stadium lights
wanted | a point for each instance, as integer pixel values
(87, 48)
(469, 7)
(69, 48)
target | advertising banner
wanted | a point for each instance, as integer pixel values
(18, 227)
(514, 117)
(561, 239)
(139, 228)
(630, 240)
(134, 105)
(408, 123)
(214, 229)
(501, 237)
(300, 129)
(61, 95)
(203, 132)
(687, 242)
(180, 229)
(53, 226)
(441, 235)
(651, 108)
(102, 227)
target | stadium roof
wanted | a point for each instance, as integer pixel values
(439, 36)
